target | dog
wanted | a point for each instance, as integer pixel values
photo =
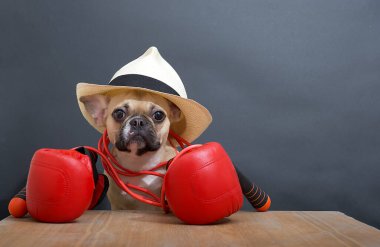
(138, 126)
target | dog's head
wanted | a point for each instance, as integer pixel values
(136, 122)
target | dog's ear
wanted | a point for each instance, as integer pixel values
(96, 106)
(175, 113)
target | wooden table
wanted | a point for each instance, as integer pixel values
(137, 228)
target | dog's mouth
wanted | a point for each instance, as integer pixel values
(138, 143)
(138, 139)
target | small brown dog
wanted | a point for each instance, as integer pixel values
(138, 127)
(143, 100)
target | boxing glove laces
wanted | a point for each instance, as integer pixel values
(200, 186)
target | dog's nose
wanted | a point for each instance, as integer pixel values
(138, 122)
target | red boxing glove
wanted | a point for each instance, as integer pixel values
(201, 184)
(60, 185)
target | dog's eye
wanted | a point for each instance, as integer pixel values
(119, 115)
(159, 116)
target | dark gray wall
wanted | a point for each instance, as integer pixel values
(293, 86)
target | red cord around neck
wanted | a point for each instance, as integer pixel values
(113, 168)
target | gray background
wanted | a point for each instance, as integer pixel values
(293, 86)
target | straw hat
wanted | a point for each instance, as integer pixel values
(151, 73)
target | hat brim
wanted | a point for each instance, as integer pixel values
(196, 118)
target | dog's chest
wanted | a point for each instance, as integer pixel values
(150, 182)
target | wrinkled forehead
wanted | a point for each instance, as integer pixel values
(140, 101)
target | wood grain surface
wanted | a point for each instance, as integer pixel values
(137, 228)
